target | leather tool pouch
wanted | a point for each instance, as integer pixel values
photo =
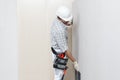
(59, 63)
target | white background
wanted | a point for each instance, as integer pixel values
(8, 40)
(96, 38)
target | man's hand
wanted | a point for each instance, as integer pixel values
(76, 66)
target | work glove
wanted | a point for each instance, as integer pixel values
(76, 66)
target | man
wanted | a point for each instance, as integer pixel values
(59, 45)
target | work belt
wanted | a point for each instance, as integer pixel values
(60, 62)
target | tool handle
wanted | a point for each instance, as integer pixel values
(77, 75)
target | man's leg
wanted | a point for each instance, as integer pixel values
(58, 74)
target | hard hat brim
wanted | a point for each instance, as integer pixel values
(67, 19)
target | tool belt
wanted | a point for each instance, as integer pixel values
(60, 62)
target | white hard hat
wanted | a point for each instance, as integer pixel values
(64, 13)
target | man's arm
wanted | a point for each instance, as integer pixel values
(62, 43)
(69, 55)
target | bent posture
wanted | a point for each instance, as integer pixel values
(59, 45)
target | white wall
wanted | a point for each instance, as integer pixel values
(96, 38)
(35, 62)
(8, 40)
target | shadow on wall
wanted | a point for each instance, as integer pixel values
(75, 31)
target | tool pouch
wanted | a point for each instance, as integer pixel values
(60, 62)
(59, 66)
